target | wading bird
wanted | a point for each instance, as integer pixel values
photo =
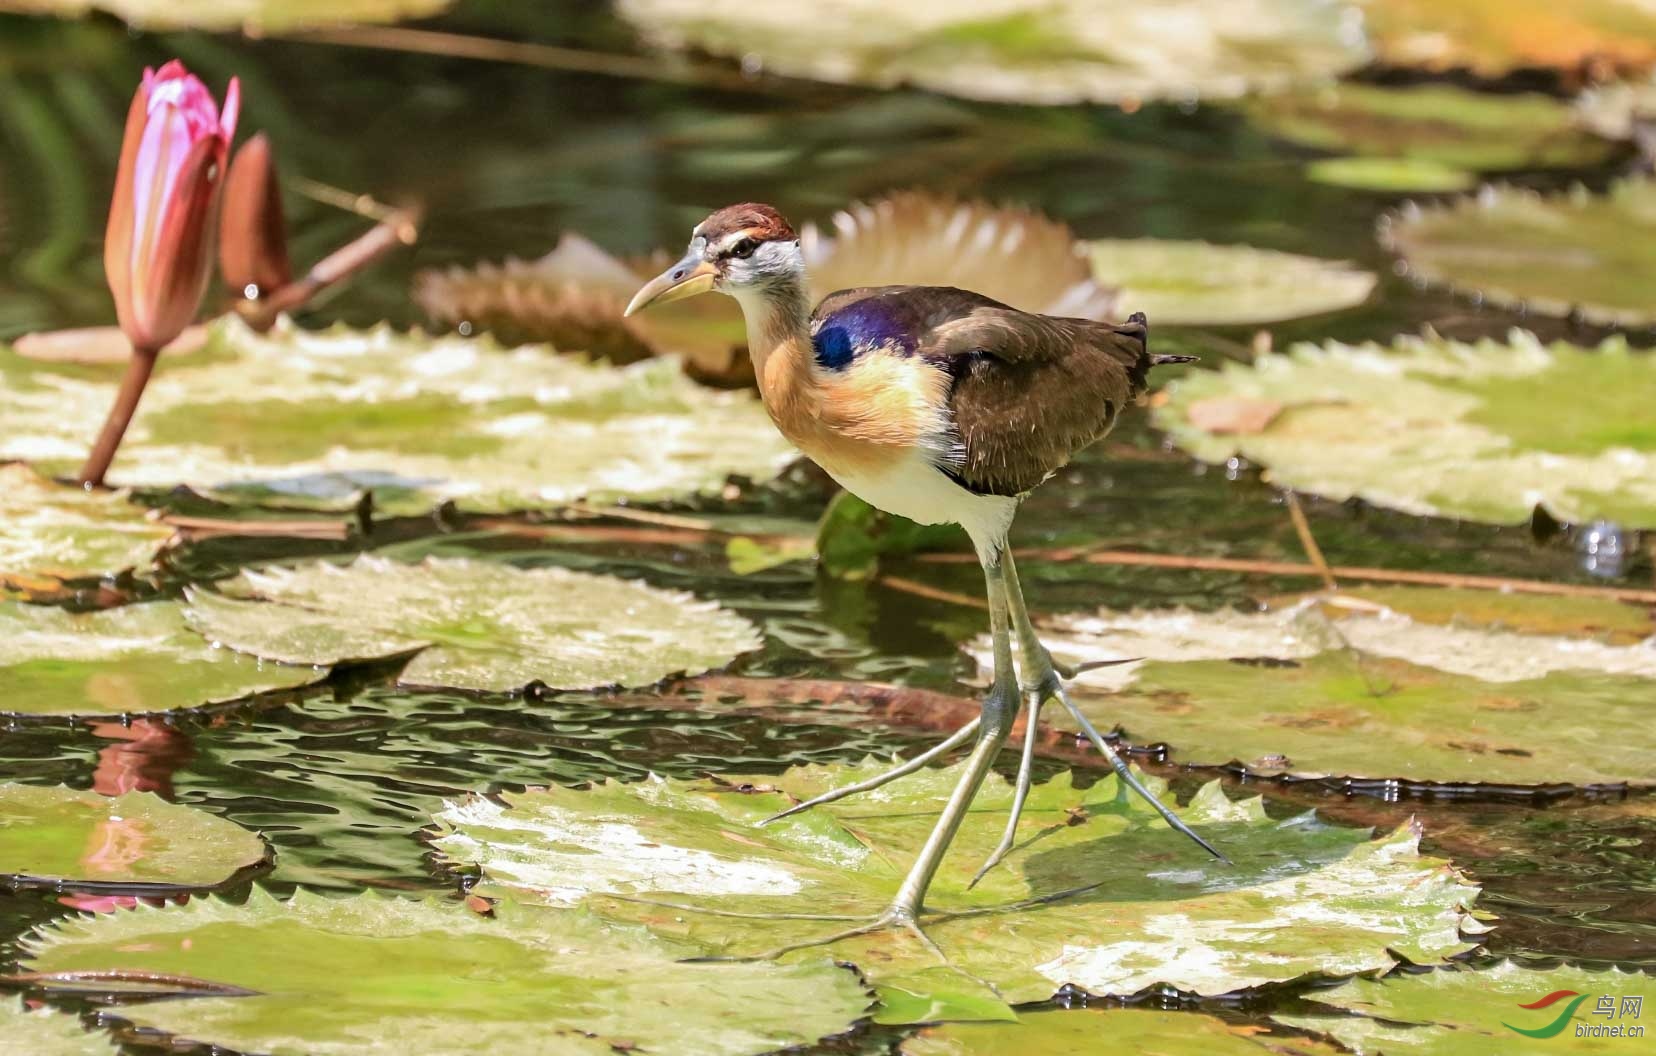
(942, 406)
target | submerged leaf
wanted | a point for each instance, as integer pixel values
(472, 624)
(1494, 38)
(1075, 1032)
(1460, 1012)
(131, 660)
(1358, 690)
(1013, 255)
(369, 974)
(267, 16)
(1557, 255)
(47, 1032)
(1444, 428)
(64, 532)
(294, 415)
(1302, 897)
(852, 537)
(1439, 123)
(60, 836)
(1201, 284)
(1034, 51)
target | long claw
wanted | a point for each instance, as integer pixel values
(954, 740)
(1131, 780)
(1026, 774)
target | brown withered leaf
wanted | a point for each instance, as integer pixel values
(1015, 255)
(1233, 415)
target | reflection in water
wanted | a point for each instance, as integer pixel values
(142, 757)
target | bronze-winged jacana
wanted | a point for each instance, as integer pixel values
(942, 406)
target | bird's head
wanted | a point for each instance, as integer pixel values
(739, 250)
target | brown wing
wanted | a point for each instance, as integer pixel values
(1030, 391)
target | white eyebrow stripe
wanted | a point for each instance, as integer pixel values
(731, 239)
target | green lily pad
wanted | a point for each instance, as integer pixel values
(299, 416)
(853, 536)
(472, 624)
(1453, 127)
(267, 16)
(1437, 427)
(83, 839)
(1017, 256)
(60, 532)
(132, 660)
(46, 1032)
(1479, 1013)
(1202, 284)
(1390, 175)
(1302, 897)
(1128, 1030)
(370, 974)
(1496, 38)
(1369, 693)
(1556, 255)
(1033, 52)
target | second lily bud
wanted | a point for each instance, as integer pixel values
(253, 251)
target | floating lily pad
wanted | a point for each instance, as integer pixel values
(269, 16)
(46, 1032)
(131, 660)
(1318, 690)
(1202, 284)
(1556, 255)
(59, 532)
(1443, 428)
(1127, 1030)
(1390, 175)
(83, 839)
(1302, 897)
(1494, 38)
(1014, 255)
(370, 974)
(472, 624)
(1480, 1013)
(299, 416)
(1471, 131)
(1035, 51)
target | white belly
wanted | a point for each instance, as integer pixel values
(918, 490)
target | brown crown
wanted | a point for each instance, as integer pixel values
(759, 220)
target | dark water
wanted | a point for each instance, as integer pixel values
(505, 157)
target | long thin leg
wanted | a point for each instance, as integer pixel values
(1000, 710)
(908, 766)
(1038, 667)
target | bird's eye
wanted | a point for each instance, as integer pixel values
(744, 249)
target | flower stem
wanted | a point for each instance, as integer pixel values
(139, 366)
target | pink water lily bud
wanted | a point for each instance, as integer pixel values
(253, 252)
(157, 249)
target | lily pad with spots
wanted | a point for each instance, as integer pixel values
(1034, 51)
(1438, 123)
(1364, 691)
(55, 532)
(1568, 254)
(471, 624)
(1197, 283)
(47, 1032)
(313, 976)
(1302, 898)
(1462, 1012)
(131, 660)
(1074, 1032)
(1443, 428)
(61, 837)
(265, 16)
(294, 416)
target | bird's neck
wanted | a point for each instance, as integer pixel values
(779, 338)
